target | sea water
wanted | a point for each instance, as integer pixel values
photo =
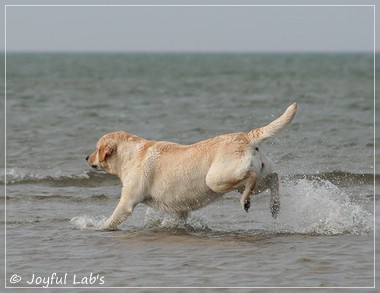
(58, 105)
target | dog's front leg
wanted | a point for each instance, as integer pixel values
(274, 187)
(123, 210)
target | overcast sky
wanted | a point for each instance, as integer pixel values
(200, 29)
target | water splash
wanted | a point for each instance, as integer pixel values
(321, 208)
(156, 220)
(88, 223)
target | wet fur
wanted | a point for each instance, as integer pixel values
(178, 179)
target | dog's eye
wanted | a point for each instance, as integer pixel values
(257, 149)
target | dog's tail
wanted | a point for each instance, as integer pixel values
(258, 135)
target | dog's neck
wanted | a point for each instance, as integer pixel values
(127, 160)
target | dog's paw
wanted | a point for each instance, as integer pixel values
(247, 205)
(275, 209)
(109, 226)
(108, 229)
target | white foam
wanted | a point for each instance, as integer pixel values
(18, 175)
(319, 207)
(161, 221)
(87, 222)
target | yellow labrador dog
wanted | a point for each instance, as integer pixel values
(178, 179)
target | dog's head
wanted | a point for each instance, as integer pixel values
(106, 148)
(105, 156)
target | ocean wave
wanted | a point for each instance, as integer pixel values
(94, 178)
(59, 198)
(339, 178)
(87, 178)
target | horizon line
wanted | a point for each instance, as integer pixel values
(188, 52)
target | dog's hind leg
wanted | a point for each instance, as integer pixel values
(250, 184)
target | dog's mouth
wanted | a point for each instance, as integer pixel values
(97, 167)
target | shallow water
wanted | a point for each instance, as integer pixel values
(59, 105)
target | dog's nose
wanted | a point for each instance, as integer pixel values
(94, 166)
(87, 158)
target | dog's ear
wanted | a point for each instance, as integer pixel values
(106, 150)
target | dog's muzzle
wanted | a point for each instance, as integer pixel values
(96, 167)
